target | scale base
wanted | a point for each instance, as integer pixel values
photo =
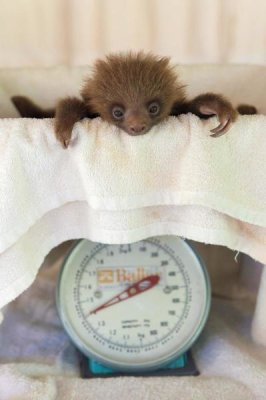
(182, 366)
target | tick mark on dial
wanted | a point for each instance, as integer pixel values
(167, 289)
(98, 294)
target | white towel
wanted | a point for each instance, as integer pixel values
(113, 188)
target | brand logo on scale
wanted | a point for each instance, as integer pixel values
(111, 277)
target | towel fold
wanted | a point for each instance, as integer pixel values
(113, 188)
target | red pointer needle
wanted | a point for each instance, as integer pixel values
(137, 288)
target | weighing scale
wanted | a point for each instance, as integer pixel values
(134, 309)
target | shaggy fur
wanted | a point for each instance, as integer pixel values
(132, 81)
(133, 84)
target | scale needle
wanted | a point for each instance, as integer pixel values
(133, 290)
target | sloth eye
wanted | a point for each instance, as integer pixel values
(154, 108)
(118, 112)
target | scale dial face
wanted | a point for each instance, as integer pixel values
(133, 306)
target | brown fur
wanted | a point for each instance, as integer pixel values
(67, 114)
(133, 84)
(246, 109)
(28, 109)
(132, 81)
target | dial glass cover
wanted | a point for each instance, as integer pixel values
(133, 306)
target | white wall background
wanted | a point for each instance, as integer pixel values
(75, 32)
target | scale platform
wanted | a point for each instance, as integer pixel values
(182, 366)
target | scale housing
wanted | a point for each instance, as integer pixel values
(93, 366)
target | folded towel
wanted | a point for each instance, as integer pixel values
(113, 188)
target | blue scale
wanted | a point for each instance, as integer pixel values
(134, 309)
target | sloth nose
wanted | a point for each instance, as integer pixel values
(137, 128)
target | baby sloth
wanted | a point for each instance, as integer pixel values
(134, 92)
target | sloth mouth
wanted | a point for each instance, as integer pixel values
(138, 133)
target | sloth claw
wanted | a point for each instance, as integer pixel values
(210, 104)
(222, 128)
